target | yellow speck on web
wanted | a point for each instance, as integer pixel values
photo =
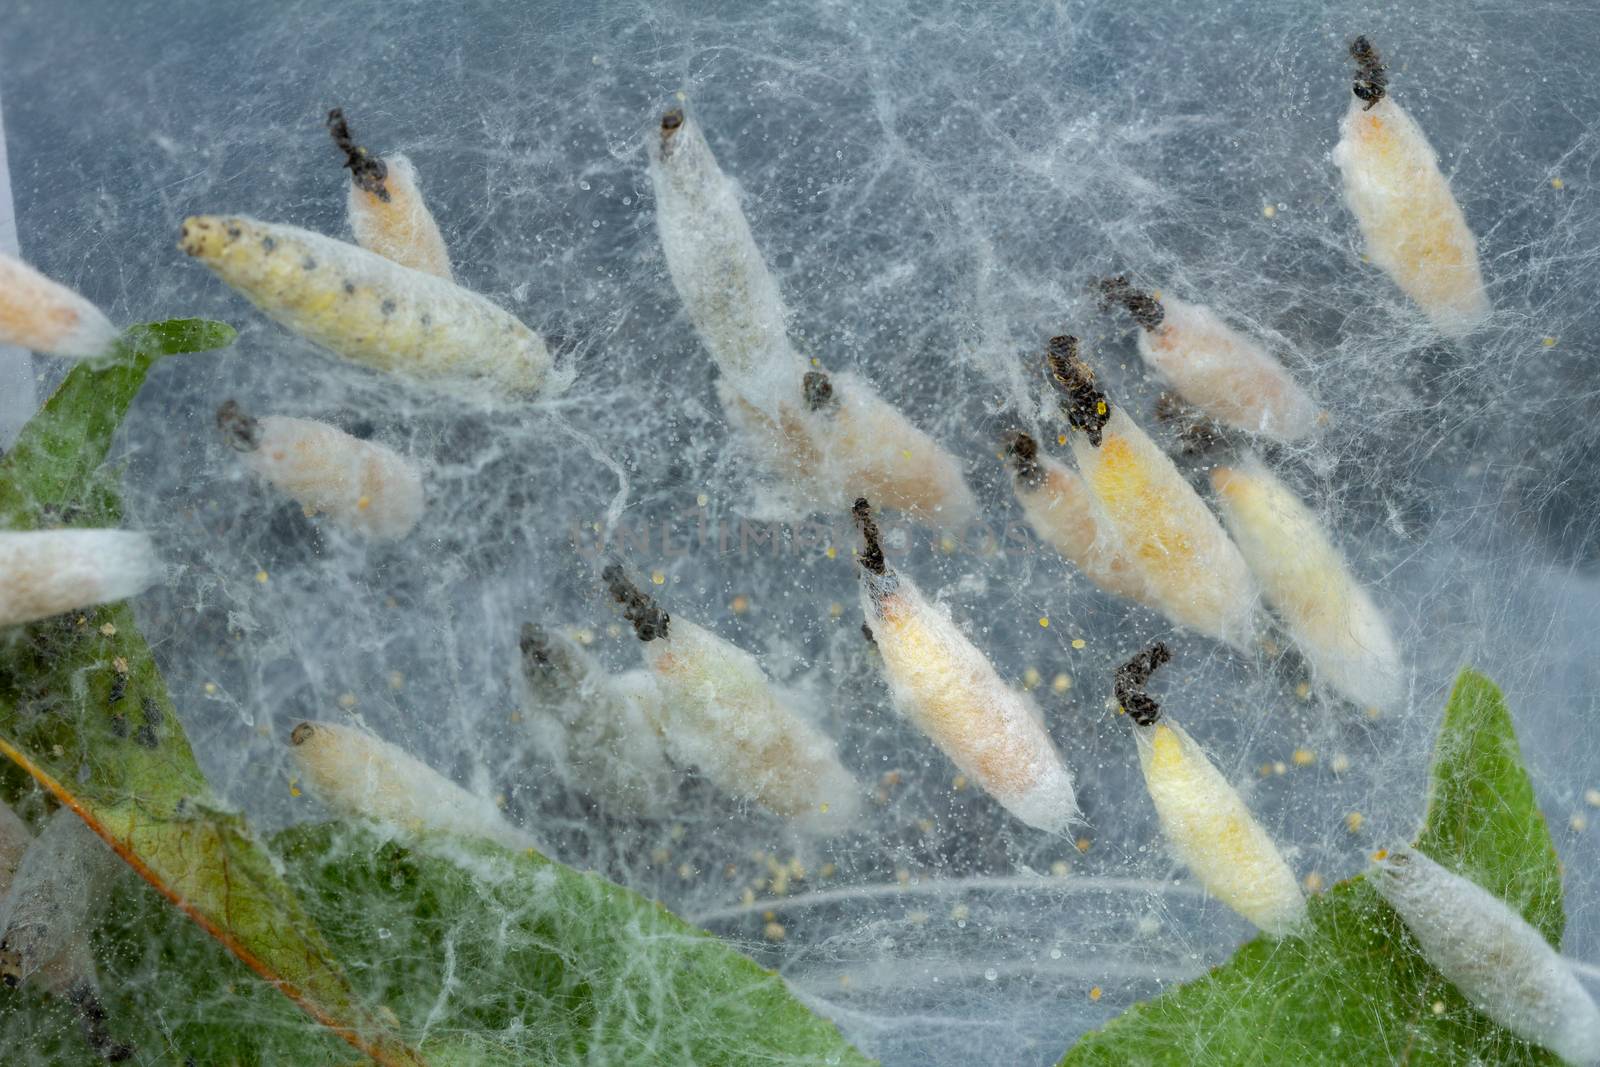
(1314, 882)
(1078, 643)
(905, 453)
(702, 500)
(1340, 763)
(1578, 823)
(823, 807)
(1280, 768)
(1438, 1007)
(831, 552)
(1268, 210)
(1095, 993)
(120, 664)
(1548, 342)
(1061, 438)
(959, 782)
(1303, 690)
(1303, 757)
(1082, 844)
(1061, 683)
(773, 931)
(1591, 797)
(1060, 869)
(261, 576)
(815, 362)
(1044, 620)
(1380, 855)
(947, 544)
(1100, 407)
(396, 680)
(211, 689)
(740, 604)
(657, 578)
(57, 751)
(347, 700)
(363, 503)
(835, 610)
(1557, 183)
(108, 629)
(1031, 678)
(1354, 821)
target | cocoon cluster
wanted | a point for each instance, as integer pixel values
(1500, 963)
(1189, 567)
(47, 572)
(1305, 578)
(952, 693)
(387, 212)
(1061, 510)
(601, 729)
(47, 317)
(371, 310)
(844, 441)
(362, 776)
(361, 485)
(1214, 367)
(1413, 227)
(1205, 821)
(722, 715)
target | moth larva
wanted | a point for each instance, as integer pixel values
(1060, 509)
(722, 715)
(1413, 227)
(601, 730)
(1215, 367)
(951, 692)
(1500, 963)
(1190, 568)
(1203, 818)
(1305, 578)
(387, 212)
(47, 572)
(362, 776)
(371, 310)
(360, 485)
(47, 317)
(845, 441)
(717, 268)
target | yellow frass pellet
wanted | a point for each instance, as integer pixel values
(47, 317)
(371, 310)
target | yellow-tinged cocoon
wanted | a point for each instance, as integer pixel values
(1226, 374)
(721, 714)
(1413, 227)
(600, 729)
(1499, 962)
(1060, 509)
(1332, 617)
(856, 444)
(371, 310)
(47, 317)
(361, 485)
(951, 692)
(1190, 568)
(47, 572)
(361, 776)
(717, 268)
(401, 227)
(1213, 833)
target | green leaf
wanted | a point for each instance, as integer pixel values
(45, 480)
(84, 711)
(499, 957)
(1355, 990)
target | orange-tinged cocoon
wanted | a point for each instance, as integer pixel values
(1204, 820)
(1413, 227)
(47, 317)
(1191, 570)
(1061, 510)
(47, 572)
(717, 267)
(837, 440)
(1307, 581)
(370, 310)
(950, 691)
(1500, 963)
(362, 776)
(360, 485)
(1224, 373)
(387, 212)
(722, 715)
